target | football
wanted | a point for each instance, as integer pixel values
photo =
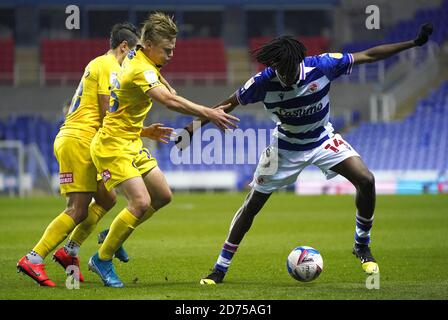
(304, 263)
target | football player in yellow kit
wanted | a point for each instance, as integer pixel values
(78, 175)
(117, 149)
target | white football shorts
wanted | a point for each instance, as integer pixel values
(278, 167)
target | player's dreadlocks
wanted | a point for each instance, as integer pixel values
(284, 54)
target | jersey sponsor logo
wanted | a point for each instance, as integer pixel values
(106, 175)
(300, 112)
(65, 177)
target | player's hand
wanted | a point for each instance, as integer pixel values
(424, 33)
(221, 119)
(157, 132)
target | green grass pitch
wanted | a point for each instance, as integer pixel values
(170, 252)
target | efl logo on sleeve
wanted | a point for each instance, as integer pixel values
(66, 177)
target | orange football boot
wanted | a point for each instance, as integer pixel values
(35, 272)
(64, 259)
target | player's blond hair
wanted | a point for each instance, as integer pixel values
(157, 27)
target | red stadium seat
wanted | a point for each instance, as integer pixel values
(64, 60)
(197, 59)
(6, 61)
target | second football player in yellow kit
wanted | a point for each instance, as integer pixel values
(78, 174)
(117, 148)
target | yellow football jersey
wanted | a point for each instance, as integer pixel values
(129, 104)
(84, 116)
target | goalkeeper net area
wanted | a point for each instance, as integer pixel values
(23, 171)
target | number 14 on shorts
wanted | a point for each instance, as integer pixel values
(336, 143)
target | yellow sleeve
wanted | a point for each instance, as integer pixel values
(104, 78)
(91, 71)
(147, 79)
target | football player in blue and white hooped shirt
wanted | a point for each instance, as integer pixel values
(295, 91)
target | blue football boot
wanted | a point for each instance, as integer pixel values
(106, 271)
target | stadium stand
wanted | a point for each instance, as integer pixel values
(416, 143)
(195, 59)
(7, 61)
(403, 31)
(64, 60)
(198, 59)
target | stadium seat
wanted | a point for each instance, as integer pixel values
(414, 142)
(7, 61)
(64, 60)
(402, 31)
(198, 59)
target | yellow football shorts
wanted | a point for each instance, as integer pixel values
(118, 159)
(77, 172)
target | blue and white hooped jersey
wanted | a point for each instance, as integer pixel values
(301, 111)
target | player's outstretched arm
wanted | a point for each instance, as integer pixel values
(167, 85)
(385, 51)
(179, 104)
(227, 105)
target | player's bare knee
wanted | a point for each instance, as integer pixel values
(107, 203)
(77, 213)
(140, 206)
(166, 199)
(367, 181)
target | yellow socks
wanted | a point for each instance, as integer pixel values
(120, 229)
(55, 233)
(85, 228)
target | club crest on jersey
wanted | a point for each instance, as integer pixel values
(65, 177)
(313, 87)
(106, 175)
(131, 54)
